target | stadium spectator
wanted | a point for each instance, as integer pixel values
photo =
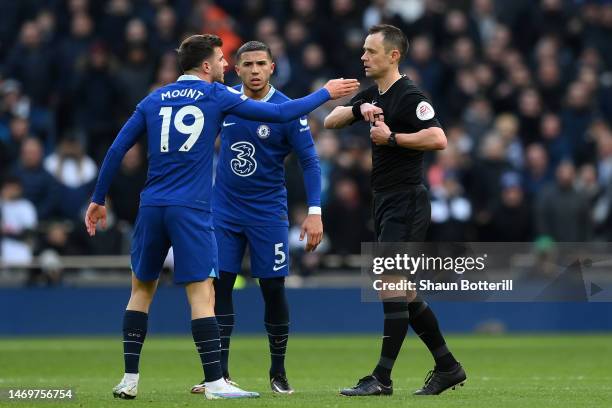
(451, 210)
(563, 211)
(554, 140)
(39, 187)
(97, 92)
(137, 72)
(125, 192)
(73, 48)
(31, 63)
(166, 34)
(19, 219)
(76, 174)
(485, 181)
(537, 172)
(512, 217)
(344, 217)
(55, 241)
(19, 131)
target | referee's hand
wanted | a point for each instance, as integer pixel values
(370, 112)
(339, 88)
(313, 228)
(379, 133)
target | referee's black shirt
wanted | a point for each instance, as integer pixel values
(406, 110)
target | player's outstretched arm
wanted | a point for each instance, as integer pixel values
(290, 110)
(126, 138)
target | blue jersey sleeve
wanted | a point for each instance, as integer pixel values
(126, 138)
(284, 112)
(301, 140)
(227, 97)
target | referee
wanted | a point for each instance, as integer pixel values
(403, 127)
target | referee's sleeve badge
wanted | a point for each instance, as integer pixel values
(425, 111)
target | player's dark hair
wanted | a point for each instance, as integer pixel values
(253, 46)
(393, 38)
(197, 48)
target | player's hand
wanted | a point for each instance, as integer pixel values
(339, 88)
(370, 112)
(95, 213)
(313, 228)
(379, 133)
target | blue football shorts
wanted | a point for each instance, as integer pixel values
(188, 231)
(268, 246)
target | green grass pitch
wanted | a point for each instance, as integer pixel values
(503, 371)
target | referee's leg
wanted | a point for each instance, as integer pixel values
(447, 371)
(404, 216)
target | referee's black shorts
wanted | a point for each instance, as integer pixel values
(402, 215)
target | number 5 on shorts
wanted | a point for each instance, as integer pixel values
(278, 252)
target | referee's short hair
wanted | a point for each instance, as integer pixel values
(253, 46)
(393, 38)
(197, 48)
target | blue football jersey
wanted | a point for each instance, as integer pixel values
(182, 121)
(250, 177)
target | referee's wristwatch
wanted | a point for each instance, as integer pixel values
(392, 141)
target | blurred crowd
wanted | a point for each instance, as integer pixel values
(523, 89)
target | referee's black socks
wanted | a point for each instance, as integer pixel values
(425, 325)
(394, 332)
(224, 311)
(276, 320)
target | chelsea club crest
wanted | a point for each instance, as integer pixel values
(263, 131)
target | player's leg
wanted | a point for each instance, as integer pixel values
(204, 328)
(270, 263)
(224, 311)
(150, 245)
(231, 243)
(195, 261)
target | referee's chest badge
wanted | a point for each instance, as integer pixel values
(263, 131)
(425, 111)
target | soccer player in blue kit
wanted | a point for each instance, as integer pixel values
(181, 121)
(250, 208)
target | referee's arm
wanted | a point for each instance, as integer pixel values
(343, 116)
(419, 113)
(432, 138)
(340, 117)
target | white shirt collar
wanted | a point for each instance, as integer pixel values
(265, 98)
(188, 78)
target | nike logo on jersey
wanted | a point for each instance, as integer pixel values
(225, 124)
(278, 268)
